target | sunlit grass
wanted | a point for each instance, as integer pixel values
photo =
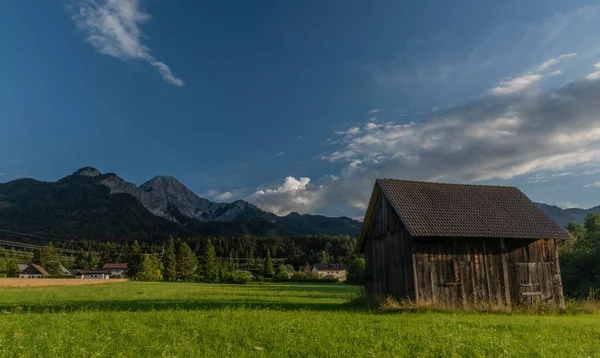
(190, 320)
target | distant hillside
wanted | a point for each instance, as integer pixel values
(564, 216)
(105, 207)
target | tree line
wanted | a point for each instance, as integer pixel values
(214, 259)
(580, 257)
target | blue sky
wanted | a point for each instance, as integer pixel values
(299, 106)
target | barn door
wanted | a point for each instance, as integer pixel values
(530, 288)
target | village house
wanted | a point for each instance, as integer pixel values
(116, 269)
(457, 244)
(94, 274)
(22, 266)
(33, 271)
(336, 270)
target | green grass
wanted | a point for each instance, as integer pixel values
(137, 319)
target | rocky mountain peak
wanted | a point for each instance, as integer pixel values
(88, 172)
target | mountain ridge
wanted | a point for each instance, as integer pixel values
(564, 216)
(88, 203)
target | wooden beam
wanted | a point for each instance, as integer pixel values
(505, 273)
(414, 264)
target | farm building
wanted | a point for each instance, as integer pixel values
(337, 271)
(94, 274)
(33, 271)
(457, 244)
(116, 269)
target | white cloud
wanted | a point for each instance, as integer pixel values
(543, 135)
(568, 204)
(374, 110)
(591, 172)
(113, 29)
(593, 185)
(280, 154)
(554, 61)
(520, 83)
(353, 131)
(594, 75)
(544, 178)
(517, 84)
(224, 196)
(371, 126)
(293, 195)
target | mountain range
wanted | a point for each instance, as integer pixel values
(564, 216)
(97, 206)
(92, 205)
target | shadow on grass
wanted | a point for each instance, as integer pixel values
(184, 305)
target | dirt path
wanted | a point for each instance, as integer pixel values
(40, 282)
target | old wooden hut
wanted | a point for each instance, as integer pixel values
(457, 244)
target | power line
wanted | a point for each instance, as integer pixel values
(32, 246)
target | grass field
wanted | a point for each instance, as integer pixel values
(134, 319)
(26, 282)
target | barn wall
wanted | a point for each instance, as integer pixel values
(458, 271)
(388, 253)
(534, 271)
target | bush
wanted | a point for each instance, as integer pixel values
(238, 277)
(311, 277)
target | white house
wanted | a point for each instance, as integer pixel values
(94, 274)
(116, 269)
(337, 271)
(33, 271)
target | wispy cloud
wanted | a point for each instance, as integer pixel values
(374, 111)
(544, 178)
(113, 29)
(280, 154)
(593, 185)
(591, 172)
(224, 196)
(555, 61)
(520, 83)
(594, 75)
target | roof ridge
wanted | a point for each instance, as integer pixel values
(443, 183)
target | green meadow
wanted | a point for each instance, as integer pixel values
(138, 319)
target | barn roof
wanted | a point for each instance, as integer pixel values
(327, 267)
(92, 271)
(463, 210)
(34, 269)
(113, 266)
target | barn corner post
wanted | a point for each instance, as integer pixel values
(560, 297)
(504, 257)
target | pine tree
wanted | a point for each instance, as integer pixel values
(186, 260)
(281, 271)
(209, 267)
(81, 261)
(37, 257)
(109, 254)
(12, 268)
(48, 254)
(135, 260)
(169, 262)
(268, 265)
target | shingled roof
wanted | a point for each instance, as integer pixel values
(462, 210)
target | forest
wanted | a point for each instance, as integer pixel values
(579, 257)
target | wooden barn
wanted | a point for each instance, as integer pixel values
(455, 244)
